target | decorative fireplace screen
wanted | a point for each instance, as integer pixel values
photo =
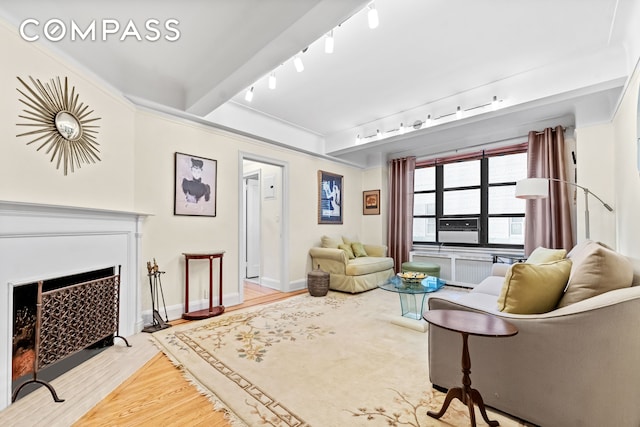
(71, 318)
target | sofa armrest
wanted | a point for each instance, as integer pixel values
(329, 259)
(376, 250)
(500, 269)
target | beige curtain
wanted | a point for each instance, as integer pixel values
(548, 220)
(400, 227)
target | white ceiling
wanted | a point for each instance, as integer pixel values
(550, 62)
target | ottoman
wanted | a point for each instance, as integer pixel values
(427, 268)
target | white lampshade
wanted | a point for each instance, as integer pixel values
(532, 188)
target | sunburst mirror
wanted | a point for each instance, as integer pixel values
(61, 124)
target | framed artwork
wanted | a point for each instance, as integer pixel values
(329, 198)
(195, 185)
(371, 202)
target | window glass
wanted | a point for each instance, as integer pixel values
(424, 229)
(502, 200)
(425, 179)
(507, 231)
(462, 174)
(424, 204)
(507, 168)
(461, 202)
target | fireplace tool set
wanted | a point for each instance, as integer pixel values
(155, 286)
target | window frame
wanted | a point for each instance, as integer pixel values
(483, 216)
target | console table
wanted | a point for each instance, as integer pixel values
(211, 311)
(468, 323)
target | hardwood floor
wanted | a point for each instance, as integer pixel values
(158, 394)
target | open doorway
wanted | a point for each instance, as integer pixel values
(263, 264)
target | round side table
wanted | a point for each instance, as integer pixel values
(468, 323)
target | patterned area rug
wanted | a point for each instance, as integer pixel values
(315, 361)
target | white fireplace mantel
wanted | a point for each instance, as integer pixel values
(39, 242)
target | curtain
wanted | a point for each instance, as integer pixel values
(548, 221)
(400, 226)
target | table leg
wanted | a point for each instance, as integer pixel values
(465, 394)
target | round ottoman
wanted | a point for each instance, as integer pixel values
(427, 268)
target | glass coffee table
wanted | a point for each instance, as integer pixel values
(410, 293)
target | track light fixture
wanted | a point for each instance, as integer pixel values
(249, 95)
(328, 42)
(372, 16)
(297, 62)
(272, 80)
(458, 113)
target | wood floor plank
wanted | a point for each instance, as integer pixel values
(158, 393)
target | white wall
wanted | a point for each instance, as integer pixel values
(595, 147)
(607, 165)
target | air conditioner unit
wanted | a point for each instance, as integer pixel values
(458, 230)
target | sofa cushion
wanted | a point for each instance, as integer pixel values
(596, 269)
(329, 242)
(366, 265)
(541, 255)
(347, 249)
(491, 285)
(358, 249)
(534, 288)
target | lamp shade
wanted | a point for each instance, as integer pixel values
(532, 188)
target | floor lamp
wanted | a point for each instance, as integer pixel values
(538, 188)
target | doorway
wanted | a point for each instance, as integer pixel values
(263, 232)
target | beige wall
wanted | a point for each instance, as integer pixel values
(595, 153)
(626, 171)
(167, 236)
(28, 175)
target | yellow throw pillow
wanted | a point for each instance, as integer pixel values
(349, 240)
(596, 269)
(358, 249)
(347, 249)
(329, 242)
(541, 255)
(534, 288)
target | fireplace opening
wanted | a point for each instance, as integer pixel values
(24, 331)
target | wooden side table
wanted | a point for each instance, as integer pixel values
(468, 323)
(211, 311)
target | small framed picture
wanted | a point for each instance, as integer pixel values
(195, 185)
(371, 202)
(329, 198)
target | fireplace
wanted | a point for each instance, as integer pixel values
(39, 242)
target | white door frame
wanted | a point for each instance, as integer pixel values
(284, 208)
(256, 176)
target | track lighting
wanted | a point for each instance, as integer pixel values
(272, 80)
(401, 129)
(428, 121)
(328, 42)
(494, 103)
(249, 95)
(372, 16)
(458, 113)
(297, 62)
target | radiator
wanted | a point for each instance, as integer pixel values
(466, 270)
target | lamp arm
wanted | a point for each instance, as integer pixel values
(586, 190)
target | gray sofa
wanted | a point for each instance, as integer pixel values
(573, 366)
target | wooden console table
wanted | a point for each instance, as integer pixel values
(211, 311)
(468, 323)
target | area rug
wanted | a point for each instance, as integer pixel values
(315, 361)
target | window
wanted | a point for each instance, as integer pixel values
(479, 186)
